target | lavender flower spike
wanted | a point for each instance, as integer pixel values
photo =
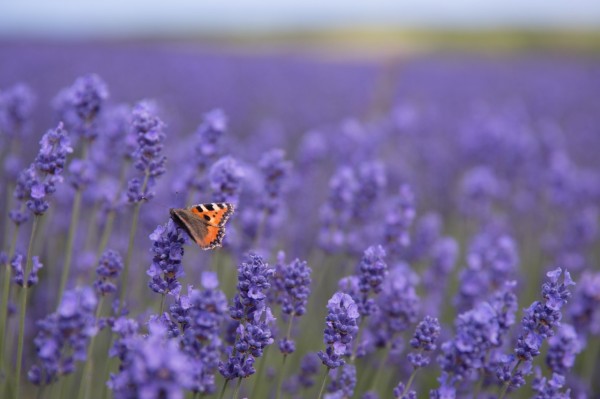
(539, 323)
(340, 329)
(167, 250)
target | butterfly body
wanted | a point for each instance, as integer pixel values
(204, 223)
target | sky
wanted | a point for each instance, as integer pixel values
(101, 18)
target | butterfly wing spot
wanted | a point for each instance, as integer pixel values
(206, 229)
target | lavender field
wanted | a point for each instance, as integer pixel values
(419, 226)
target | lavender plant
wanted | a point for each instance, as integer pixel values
(417, 233)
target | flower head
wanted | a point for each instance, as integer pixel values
(109, 268)
(167, 253)
(152, 367)
(340, 329)
(63, 336)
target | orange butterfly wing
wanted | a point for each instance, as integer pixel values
(214, 216)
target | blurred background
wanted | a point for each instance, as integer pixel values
(152, 49)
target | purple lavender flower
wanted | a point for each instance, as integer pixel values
(167, 252)
(274, 169)
(342, 382)
(476, 331)
(226, 178)
(538, 323)
(371, 182)
(424, 341)
(399, 392)
(340, 329)
(398, 220)
(292, 289)
(249, 308)
(40, 180)
(79, 105)
(149, 131)
(200, 314)
(562, 349)
(479, 188)
(16, 108)
(336, 213)
(585, 310)
(81, 173)
(152, 367)
(492, 260)
(208, 139)
(109, 268)
(398, 305)
(63, 336)
(549, 389)
(88, 93)
(209, 135)
(443, 258)
(17, 266)
(427, 233)
(292, 285)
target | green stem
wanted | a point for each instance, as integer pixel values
(222, 394)
(357, 342)
(5, 298)
(24, 306)
(134, 223)
(162, 305)
(409, 383)
(237, 388)
(259, 373)
(70, 240)
(379, 371)
(323, 383)
(281, 373)
(88, 368)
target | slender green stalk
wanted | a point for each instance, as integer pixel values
(92, 227)
(222, 394)
(259, 373)
(134, 223)
(409, 383)
(106, 232)
(375, 382)
(110, 220)
(5, 297)
(162, 304)
(357, 341)
(70, 241)
(88, 367)
(23, 301)
(237, 388)
(323, 383)
(282, 371)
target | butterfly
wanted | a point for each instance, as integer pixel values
(204, 223)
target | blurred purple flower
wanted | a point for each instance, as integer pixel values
(226, 177)
(148, 157)
(200, 315)
(63, 336)
(109, 268)
(152, 367)
(16, 109)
